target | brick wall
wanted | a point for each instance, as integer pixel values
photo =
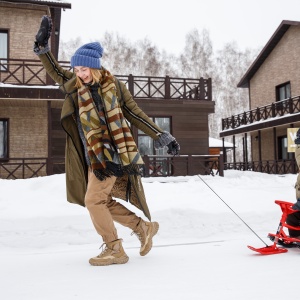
(282, 65)
(22, 21)
(267, 147)
(28, 130)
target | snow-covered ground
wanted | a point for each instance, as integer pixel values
(200, 251)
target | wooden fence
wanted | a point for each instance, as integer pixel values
(183, 165)
(21, 168)
(265, 166)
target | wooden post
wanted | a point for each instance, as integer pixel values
(209, 89)
(232, 122)
(258, 114)
(244, 161)
(202, 89)
(167, 88)
(224, 151)
(275, 148)
(290, 105)
(273, 110)
(131, 84)
(221, 165)
(234, 153)
(184, 89)
(246, 151)
(259, 151)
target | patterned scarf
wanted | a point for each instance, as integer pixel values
(111, 148)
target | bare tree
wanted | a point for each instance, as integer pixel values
(231, 64)
(66, 49)
(119, 54)
(197, 59)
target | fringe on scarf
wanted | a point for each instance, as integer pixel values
(117, 170)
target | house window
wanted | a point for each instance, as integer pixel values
(283, 91)
(282, 148)
(3, 49)
(145, 143)
(3, 138)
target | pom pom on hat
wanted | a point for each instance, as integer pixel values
(88, 55)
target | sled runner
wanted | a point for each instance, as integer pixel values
(280, 238)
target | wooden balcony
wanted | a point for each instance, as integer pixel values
(285, 166)
(28, 73)
(282, 108)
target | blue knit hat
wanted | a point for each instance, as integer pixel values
(88, 55)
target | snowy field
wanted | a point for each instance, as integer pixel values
(200, 251)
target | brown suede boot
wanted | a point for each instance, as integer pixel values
(145, 232)
(113, 253)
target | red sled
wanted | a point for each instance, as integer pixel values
(281, 238)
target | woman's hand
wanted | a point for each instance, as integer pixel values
(42, 37)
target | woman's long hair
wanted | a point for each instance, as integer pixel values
(96, 75)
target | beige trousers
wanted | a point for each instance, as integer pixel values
(104, 210)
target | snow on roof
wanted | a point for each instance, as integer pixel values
(29, 86)
(54, 3)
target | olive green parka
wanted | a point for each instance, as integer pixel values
(297, 185)
(128, 188)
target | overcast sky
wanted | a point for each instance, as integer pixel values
(166, 22)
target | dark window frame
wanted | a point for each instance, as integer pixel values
(6, 138)
(5, 69)
(138, 134)
(287, 93)
(283, 155)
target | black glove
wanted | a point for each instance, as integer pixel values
(173, 148)
(297, 140)
(43, 35)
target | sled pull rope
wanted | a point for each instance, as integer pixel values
(234, 212)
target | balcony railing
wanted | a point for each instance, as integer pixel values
(20, 168)
(288, 166)
(32, 72)
(276, 109)
(182, 165)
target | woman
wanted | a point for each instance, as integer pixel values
(102, 160)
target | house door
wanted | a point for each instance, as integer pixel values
(283, 154)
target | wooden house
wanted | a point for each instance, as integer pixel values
(32, 141)
(273, 81)
(27, 103)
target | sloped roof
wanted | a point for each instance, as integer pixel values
(265, 52)
(50, 3)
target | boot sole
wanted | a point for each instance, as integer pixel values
(149, 245)
(120, 260)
